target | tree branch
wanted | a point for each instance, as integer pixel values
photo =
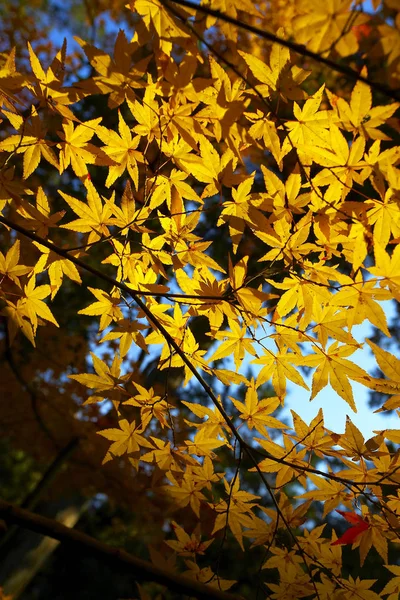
(34, 496)
(141, 569)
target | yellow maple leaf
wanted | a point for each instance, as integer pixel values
(324, 25)
(358, 115)
(158, 20)
(118, 76)
(333, 367)
(122, 151)
(184, 491)
(280, 367)
(150, 406)
(57, 266)
(127, 439)
(32, 303)
(203, 444)
(361, 300)
(105, 378)
(185, 544)
(387, 267)
(288, 453)
(39, 217)
(256, 413)
(9, 264)
(234, 343)
(95, 217)
(75, 149)
(106, 306)
(127, 332)
(239, 514)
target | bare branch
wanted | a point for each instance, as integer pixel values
(142, 570)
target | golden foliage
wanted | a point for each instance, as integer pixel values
(230, 143)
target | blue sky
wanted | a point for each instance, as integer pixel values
(333, 406)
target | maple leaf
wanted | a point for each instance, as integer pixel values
(122, 151)
(325, 25)
(358, 115)
(256, 413)
(187, 545)
(17, 320)
(292, 579)
(313, 436)
(39, 217)
(48, 86)
(106, 306)
(31, 142)
(9, 264)
(387, 267)
(231, 8)
(147, 115)
(383, 214)
(129, 263)
(311, 127)
(233, 342)
(204, 474)
(331, 493)
(210, 293)
(225, 103)
(390, 365)
(236, 212)
(157, 19)
(352, 441)
(282, 199)
(207, 576)
(215, 423)
(75, 149)
(127, 216)
(32, 304)
(240, 508)
(172, 190)
(184, 491)
(117, 76)
(203, 444)
(206, 168)
(57, 267)
(358, 526)
(332, 366)
(249, 298)
(279, 367)
(11, 81)
(393, 586)
(343, 164)
(105, 378)
(285, 241)
(127, 332)
(192, 350)
(151, 406)
(126, 439)
(266, 129)
(361, 300)
(165, 457)
(94, 216)
(285, 472)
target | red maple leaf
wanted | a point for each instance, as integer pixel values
(359, 525)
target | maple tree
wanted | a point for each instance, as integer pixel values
(190, 222)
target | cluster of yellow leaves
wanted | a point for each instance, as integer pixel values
(325, 243)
